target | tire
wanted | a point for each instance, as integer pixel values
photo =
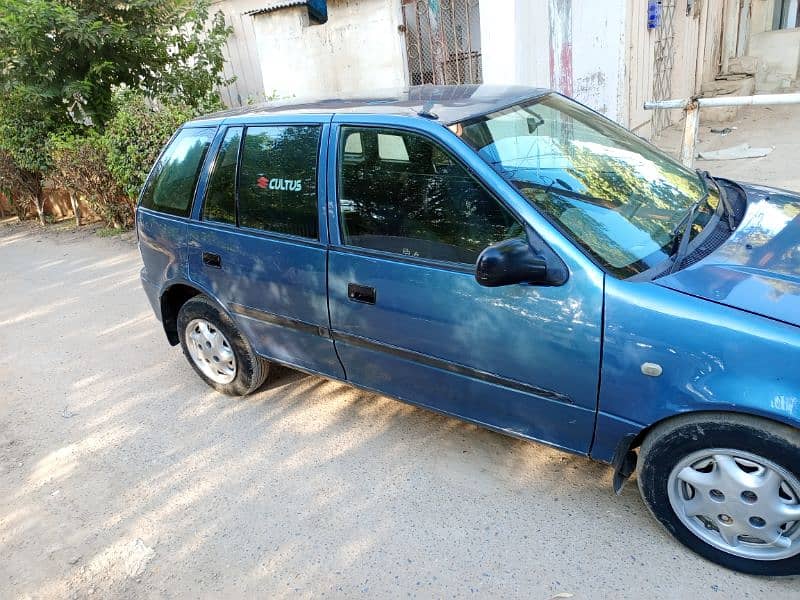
(249, 371)
(752, 497)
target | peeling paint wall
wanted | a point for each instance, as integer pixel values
(360, 47)
(575, 47)
(599, 56)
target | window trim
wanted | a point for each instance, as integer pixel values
(261, 233)
(212, 167)
(201, 173)
(342, 246)
(320, 126)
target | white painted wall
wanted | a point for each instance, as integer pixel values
(360, 47)
(517, 44)
(778, 54)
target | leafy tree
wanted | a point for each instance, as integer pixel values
(62, 60)
(72, 53)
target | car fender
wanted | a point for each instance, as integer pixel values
(666, 353)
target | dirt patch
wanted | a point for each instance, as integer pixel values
(759, 126)
(64, 231)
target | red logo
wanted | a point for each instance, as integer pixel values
(262, 182)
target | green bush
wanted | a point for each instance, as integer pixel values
(136, 134)
(21, 187)
(62, 62)
(79, 165)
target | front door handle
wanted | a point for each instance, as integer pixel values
(212, 260)
(361, 293)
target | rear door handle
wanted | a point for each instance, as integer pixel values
(361, 293)
(212, 260)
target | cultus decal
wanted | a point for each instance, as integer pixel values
(289, 185)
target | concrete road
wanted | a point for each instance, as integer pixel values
(123, 475)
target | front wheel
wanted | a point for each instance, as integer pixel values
(727, 487)
(217, 350)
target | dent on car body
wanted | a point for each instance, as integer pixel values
(713, 357)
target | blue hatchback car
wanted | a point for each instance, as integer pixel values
(509, 257)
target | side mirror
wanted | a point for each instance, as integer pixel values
(509, 262)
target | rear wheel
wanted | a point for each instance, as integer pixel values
(728, 487)
(217, 350)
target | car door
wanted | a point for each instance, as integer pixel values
(407, 315)
(258, 241)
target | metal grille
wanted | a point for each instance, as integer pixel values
(664, 57)
(443, 42)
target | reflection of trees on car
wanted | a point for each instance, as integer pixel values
(650, 203)
(282, 152)
(220, 203)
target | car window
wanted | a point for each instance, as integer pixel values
(171, 186)
(410, 197)
(278, 180)
(352, 145)
(220, 203)
(392, 147)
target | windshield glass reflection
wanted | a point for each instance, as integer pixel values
(617, 196)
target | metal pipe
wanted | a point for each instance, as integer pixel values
(692, 107)
(690, 134)
(655, 104)
(760, 100)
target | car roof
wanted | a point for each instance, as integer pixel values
(444, 103)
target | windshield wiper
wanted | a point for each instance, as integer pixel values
(723, 196)
(686, 222)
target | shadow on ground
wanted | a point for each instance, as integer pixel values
(122, 474)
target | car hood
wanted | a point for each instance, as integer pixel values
(758, 268)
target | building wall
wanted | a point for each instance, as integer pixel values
(360, 47)
(241, 52)
(761, 15)
(599, 52)
(778, 54)
(777, 51)
(695, 58)
(577, 48)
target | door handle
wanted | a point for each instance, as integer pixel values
(361, 293)
(212, 260)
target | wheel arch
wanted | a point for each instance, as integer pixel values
(625, 457)
(172, 299)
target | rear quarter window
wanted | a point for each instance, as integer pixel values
(172, 184)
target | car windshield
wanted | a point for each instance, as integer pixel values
(615, 195)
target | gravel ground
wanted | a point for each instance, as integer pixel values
(123, 475)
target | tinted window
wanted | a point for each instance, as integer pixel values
(170, 189)
(407, 195)
(220, 204)
(278, 180)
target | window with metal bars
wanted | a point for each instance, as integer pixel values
(443, 42)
